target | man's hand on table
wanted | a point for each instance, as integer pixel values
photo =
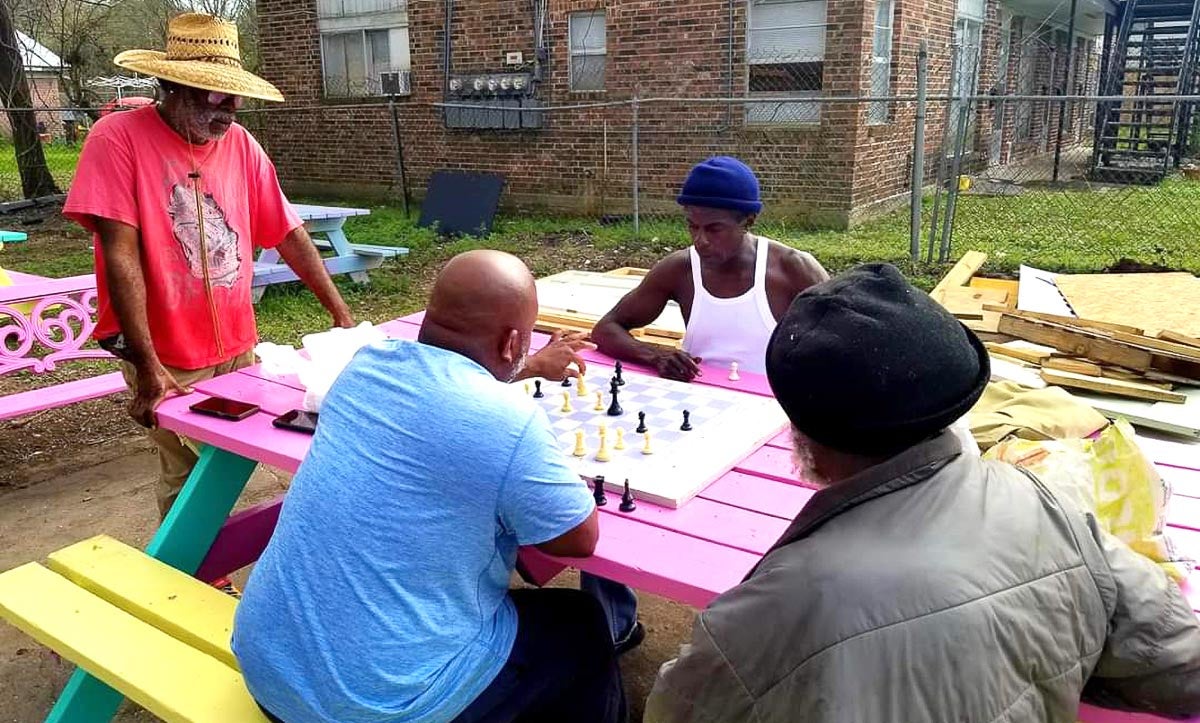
(553, 361)
(678, 365)
(154, 384)
(343, 318)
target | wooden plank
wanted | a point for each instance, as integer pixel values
(1114, 387)
(967, 303)
(1074, 366)
(751, 492)
(683, 568)
(725, 525)
(154, 592)
(1076, 342)
(988, 323)
(1022, 353)
(1179, 338)
(1009, 286)
(960, 274)
(1148, 342)
(241, 540)
(142, 662)
(1064, 320)
(58, 395)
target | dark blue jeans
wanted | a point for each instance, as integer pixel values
(562, 667)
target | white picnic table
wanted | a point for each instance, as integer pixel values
(324, 224)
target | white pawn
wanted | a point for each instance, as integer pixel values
(733, 372)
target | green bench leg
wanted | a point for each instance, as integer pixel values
(182, 541)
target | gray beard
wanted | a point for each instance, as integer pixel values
(518, 368)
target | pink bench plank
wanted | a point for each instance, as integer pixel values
(708, 520)
(1184, 512)
(675, 566)
(58, 395)
(1173, 452)
(272, 397)
(772, 463)
(1184, 482)
(46, 287)
(19, 278)
(253, 438)
(759, 494)
(241, 540)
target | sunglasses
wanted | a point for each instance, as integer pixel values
(216, 100)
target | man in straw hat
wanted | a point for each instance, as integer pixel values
(178, 196)
(921, 583)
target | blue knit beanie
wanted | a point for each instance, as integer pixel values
(722, 182)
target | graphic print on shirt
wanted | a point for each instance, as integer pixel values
(224, 251)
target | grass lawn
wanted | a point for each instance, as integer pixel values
(1063, 231)
(60, 157)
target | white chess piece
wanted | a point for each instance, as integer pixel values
(733, 372)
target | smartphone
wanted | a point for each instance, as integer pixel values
(298, 420)
(224, 408)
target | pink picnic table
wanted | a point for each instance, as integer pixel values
(690, 554)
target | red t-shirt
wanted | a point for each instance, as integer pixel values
(134, 169)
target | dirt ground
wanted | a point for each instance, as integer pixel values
(107, 486)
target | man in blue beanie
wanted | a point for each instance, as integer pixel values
(731, 285)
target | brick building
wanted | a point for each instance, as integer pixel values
(829, 164)
(43, 71)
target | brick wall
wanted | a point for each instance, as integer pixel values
(44, 92)
(833, 173)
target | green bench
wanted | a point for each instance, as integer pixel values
(158, 636)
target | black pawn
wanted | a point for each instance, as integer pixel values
(641, 428)
(537, 389)
(566, 382)
(687, 424)
(620, 379)
(614, 409)
(627, 503)
(598, 491)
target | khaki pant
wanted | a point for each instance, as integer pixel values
(178, 455)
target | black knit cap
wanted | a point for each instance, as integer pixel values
(866, 363)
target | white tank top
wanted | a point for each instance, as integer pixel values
(722, 331)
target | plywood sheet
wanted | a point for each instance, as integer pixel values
(1152, 302)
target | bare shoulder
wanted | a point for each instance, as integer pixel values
(669, 271)
(800, 268)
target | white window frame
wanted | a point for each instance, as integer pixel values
(967, 26)
(342, 17)
(879, 112)
(574, 52)
(783, 113)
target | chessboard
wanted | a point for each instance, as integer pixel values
(666, 465)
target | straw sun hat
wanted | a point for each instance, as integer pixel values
(202, 52)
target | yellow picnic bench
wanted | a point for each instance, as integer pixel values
(157, 635)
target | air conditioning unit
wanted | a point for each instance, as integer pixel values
(396, 83)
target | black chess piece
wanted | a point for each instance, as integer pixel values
(627, 503)
(620, 379)
(598, 491)
(537, 389)
(641, 428)
(687, 424)
(566, 382)
(614, 409)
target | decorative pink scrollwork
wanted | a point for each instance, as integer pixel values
(55, 329)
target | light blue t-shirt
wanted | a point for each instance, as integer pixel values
(382, 595)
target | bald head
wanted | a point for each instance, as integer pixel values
(483, 305)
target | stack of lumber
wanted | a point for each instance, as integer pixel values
(1099, 357)
(974, 301)
(573, 301)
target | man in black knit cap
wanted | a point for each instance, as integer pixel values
(922, 584)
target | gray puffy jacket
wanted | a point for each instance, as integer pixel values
(938, 587)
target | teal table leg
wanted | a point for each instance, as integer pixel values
(182, 541)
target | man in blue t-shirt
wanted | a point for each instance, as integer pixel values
(383, 594)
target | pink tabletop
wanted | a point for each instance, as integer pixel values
(690, 554)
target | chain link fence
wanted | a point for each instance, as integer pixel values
(1006, 130)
